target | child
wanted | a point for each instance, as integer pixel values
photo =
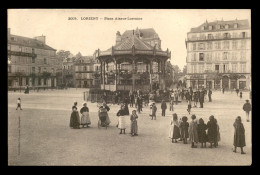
(239, 135)
(212, 131)
(218, 133)
(174, 128)
(193, 131)
(154, 109)
(241, 93)
(189, 106)
(133, 118)
(19, 105)
(184, 125)
(202, 127)
(121, 119)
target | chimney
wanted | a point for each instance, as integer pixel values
(41, 38)
(118, 37)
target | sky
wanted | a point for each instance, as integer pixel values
(86, 36)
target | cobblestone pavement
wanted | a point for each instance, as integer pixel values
(46, 139)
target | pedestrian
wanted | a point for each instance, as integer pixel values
(121, 119)
(176, 97)
(247, 107)
(237, 91)
(193, 131)
(174, 128)
(163, 107)
(189, 106)
(195, 97)
(223, 90)
(85, 120)
(239, 135)
(19, 104)
(180, 121)
(201, 98)
(205, 93)
(26, 90)
(131, 99)
(212, 131)
(134, 127)
(209, 94)
(74, 118)
(218, 133)
(104, 113)
(241, 94)
(202, 127)
(171, 104)
(154, 109)
(139, 104)
(184, 125)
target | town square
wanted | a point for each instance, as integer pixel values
(129, 92)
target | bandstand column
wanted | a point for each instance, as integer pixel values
(150, 73)
(133, 75)
(115, 75)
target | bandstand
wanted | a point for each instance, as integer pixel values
(132, 64)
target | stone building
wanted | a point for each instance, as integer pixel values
(30, 62)
(87, 72)
(219, 55)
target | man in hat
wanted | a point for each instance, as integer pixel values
(247, 108)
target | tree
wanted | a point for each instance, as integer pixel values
(78, 55)
(62, 54)
(184, 70)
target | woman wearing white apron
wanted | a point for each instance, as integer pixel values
(85, 120)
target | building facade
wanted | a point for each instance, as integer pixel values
(68, 72)
(31, 62)
(87, 72)
(135, 62)
(219, 55)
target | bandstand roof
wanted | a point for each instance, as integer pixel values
(134, 45)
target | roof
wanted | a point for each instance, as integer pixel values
(28, 42)
(242, 24)
(86, 59)
(131, 41)
(146, 33)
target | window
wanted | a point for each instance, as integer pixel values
(226, 35)
(201, 46)
(226, 44)
(235, 25)
(225, 55)
(45, 61)
(209, 45)
(33, 69)
(52, 70)
(39, 70)
(243, 34)
(243, 55)
(193, 58)
(225, 68)
(33, 60)
(208, 67)
(39, 81)
(234, 68)
(226, 26)
(218, 26)
(243, 44)
(9, 47)
(85, 68)
(33, 51)
(210, 56)
(234, 56)
(201, 68)
(20, 48)
(210, 36)
(201, 57)
(202, 36)
(243, 67)
(44, 69)
(210, 27)
(194, 68)
(217, 67)
(234, 35)
(194, 46)
(218, 45)
(218, 36)
(234, 44)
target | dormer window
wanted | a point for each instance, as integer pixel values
(218, 26)
(210, 27)
(236, 26)
(226, 26)
(203, 28)
(13, 38)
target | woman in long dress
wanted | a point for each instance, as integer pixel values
(121, 119)
(104, 105)
(74, 118)
(193, 131)
(239, 135)
(133, 118)
(174, 129)
(85, 120)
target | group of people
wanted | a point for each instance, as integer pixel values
(196, 131)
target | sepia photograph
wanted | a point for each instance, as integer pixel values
(129, 87)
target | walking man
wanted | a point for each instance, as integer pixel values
(201, 98)
(19, 104)
(247, 108)
(164, 107)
